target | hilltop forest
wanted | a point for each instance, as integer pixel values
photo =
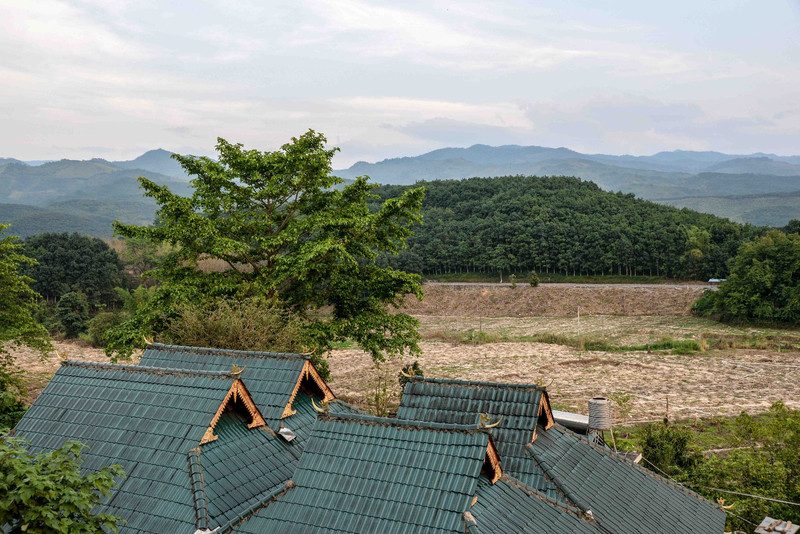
(518, 224)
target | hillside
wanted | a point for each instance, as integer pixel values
(662, 176)
(563, 225)
(774, 209)
(76, 196)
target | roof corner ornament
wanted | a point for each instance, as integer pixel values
(540, 382)
(147, 341)
(235, 371)
(403, 372)
(308, 352)
(721, 503)
(325, 406)
(485, 418)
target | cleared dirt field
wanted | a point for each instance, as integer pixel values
(696, 386)
(702, 385)
(554, 301)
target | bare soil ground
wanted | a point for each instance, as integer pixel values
(696, 386)
(550, 301)
(717, 382)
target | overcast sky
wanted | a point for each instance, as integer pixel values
(112, 79)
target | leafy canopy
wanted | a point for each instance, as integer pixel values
(17, 326)
(46, 493)
(764, 283)
(287, 231)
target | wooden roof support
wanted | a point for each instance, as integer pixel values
(492, 461)
(237, 393)
(308, 373)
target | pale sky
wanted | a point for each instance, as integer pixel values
(112, 79)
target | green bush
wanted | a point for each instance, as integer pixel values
(534, 279)
(669, 448)
(72, 311)
(101, 323)
(250, 324)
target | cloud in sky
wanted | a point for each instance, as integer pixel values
(83, 78)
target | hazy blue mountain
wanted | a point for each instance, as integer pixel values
(772, 209)
(28, 220)
(158, 160)
(757, 165)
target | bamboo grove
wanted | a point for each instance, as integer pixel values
(518, 224)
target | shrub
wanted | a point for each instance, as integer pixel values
(669, 448)
(101, 323)
(250, 324)
(534, 279)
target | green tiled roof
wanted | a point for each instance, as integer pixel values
(145, 420)
(363, 474)
(270, 376)
(244, 465)
(460, 402)
(622, 496)
(508, 507)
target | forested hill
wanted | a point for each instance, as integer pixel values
(560, 224)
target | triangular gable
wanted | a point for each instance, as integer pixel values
(236, 394)
(311, 381)
(547, 412)
(491, 465)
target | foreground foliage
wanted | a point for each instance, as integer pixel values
(17, 326)
(46, 493)
(764, 462)
(764, 283)
(287, 231)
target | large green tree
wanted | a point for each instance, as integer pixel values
(764, 283)
(289, 231)
(74, 262)
(47, 493)
(17, 327)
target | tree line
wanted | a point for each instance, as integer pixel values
(518, 224)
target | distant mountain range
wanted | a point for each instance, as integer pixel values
(698, 180)
(86, 196)
(83, 196)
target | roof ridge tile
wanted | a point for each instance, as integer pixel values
(227, 352)
(145, 369)
(411, 423)
(475, 383)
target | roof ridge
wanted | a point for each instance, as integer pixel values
(146, 369)
(268, 498)
(556, 480)
(647, 472)
(539, 495)
(475, 383)
(228, 352)
(412, 423)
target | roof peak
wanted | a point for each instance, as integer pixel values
(476, 384)
(408, 423)
(147, 370)
(227, 352)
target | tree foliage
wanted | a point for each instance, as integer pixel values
(46, 492)
(17, 326)
(74, 262)
(561, 225)
(764, 282)
(72, 311)
(765, 463)
(288, 231)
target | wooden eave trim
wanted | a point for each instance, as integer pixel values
(544, 409)
(544, 405)
(308, 372)
(494, 461)
(237, 392)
